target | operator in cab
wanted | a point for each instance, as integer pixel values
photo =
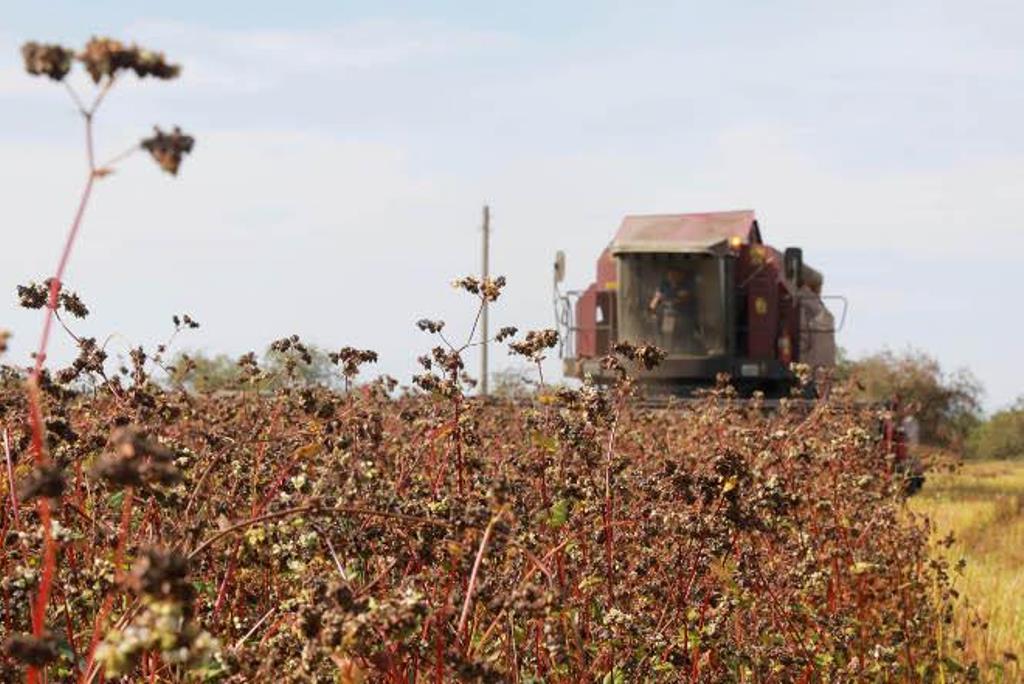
(674, 307)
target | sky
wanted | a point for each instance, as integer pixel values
(344, 151)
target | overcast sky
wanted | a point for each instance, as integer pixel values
(345, 148)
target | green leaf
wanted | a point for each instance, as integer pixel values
(724, 569)
(547, 442)
(954, 666)
(558, 514)
(861, 567)
(616, 676)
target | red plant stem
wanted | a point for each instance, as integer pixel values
(609, 544)
(10, 473)
(438, 656)
(472, 575)
(49, 564)
(539, 652)
(69, 631)
(35, 408)
(522, 582)
(774, 604)
(258, 506)
(55, 284)
(229, 572)
(456, 435)
(108, 600)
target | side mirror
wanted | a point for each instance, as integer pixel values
(559, 266)
(793, 263)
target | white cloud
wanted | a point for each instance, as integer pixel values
(251, 60)
(969, 208)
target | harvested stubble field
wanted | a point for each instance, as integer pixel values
(982, 505)
(312, 535)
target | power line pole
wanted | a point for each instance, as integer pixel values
(483, 314)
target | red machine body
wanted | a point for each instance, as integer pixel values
(708, 290)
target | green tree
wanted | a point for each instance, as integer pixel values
(512, 383)
(946, 405)
(199, 372)
(204, 373)
(1001, 436)
(284, 369)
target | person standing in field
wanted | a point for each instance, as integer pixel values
(674, 306)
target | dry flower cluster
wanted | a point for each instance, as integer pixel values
(102, 58)
(168, 149)
(307, 535)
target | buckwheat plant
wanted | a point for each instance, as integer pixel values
(108, 62)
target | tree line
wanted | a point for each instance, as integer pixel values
(947, 405)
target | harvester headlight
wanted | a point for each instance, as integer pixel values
(736, 242)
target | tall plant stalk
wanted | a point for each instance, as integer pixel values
(103, 59)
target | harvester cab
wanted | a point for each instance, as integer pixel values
(707, 290)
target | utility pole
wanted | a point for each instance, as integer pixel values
(483, 314)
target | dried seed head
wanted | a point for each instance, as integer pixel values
(506, 332)
(427, 325)
(467, 283)
(611, 362)
(33, 295)
(31, 650)
(105, 57)
(73, 304)
(490, 288)
(50, 60)
(168, 149)
(137, 460)
(90, 360)
(161, 574)
(46, 481)
(36, 296)
(350, 358)
(647, 355)
(154, 64)
(119, 471)
(184, 321)
(133, 442)
(535, 343)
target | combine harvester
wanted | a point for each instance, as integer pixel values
(706, 289)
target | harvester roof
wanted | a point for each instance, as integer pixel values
(680, 233)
